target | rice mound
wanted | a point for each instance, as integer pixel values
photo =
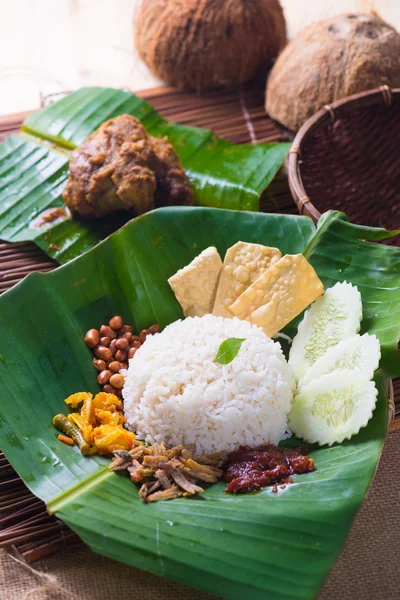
(175, 393)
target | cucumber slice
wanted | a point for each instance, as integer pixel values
(334, 408)
(359, 353)
(334, 317)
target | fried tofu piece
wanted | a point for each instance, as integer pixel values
(195, 285)
(279, 295)
(243, 264)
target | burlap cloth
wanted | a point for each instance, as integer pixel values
(366, 570)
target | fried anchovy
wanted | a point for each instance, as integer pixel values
(172, 469)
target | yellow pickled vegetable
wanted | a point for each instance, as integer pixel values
(62, 423)
(76, 399)
(77, 420)
(105, 417)
(111, 437)
(99, 422)
(106, 401)
(87, 412)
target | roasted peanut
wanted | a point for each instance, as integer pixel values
(115, 366)
(103, 352)
(113, 347)
(116, 322)
(99, 365)
(121, 355)
(143, 334)
(109, 389)
(118, 393)
(154, 328)
(106, 331)
(104, 377)
(126, 329)
(122, 344)
(131, 352)
(117, 381)
(92, 338)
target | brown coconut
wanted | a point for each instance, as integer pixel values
(329, 60)
(205, 44)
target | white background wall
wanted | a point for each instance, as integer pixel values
(48, 46)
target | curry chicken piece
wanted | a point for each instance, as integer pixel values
(172, 183)
(120, 167)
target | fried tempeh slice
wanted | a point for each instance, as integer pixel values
(195, 285)
(243, 264)
(279, 294)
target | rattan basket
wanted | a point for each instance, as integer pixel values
(347, 157)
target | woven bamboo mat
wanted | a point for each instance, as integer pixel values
(236, 116)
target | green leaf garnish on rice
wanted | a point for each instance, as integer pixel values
(228, 350)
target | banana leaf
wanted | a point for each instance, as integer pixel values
(265, 545)
(34, 168)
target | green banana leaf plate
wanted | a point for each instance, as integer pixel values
(264, 545)
(34, 168)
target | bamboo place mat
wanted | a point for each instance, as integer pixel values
(236, 116)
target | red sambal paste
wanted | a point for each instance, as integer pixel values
(249, 469)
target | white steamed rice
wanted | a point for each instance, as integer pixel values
(175, 393)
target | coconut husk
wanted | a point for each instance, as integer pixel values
(205, 44)
(330, 60)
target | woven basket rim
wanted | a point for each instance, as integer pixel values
(328, 114)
